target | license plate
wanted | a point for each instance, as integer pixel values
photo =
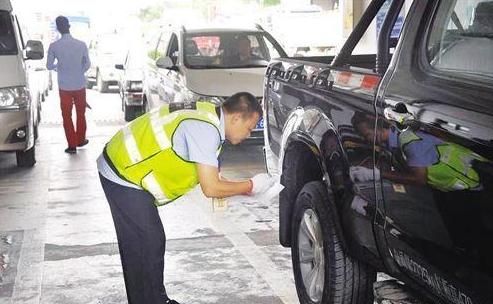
(260, 123)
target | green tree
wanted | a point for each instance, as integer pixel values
(270, 2)
(150, 13)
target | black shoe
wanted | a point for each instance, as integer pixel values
(171, 302)
(71, 150)
(82, 144)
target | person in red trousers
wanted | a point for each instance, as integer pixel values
(72, 61)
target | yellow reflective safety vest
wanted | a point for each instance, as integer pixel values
(453, 171)
(142, 152)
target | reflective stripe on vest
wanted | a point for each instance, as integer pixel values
(142, 151)
(159, 133)
(453, 171)
(151, 184)
(131, 145)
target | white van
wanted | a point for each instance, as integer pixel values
(19, 107)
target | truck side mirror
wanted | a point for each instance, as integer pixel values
(34, 50)
(166, 63)
(119, 67)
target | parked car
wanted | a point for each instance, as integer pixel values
(19, 105)
(130, 84)
(206, 64)
(43, 79)
(104, 53)
(386, 158)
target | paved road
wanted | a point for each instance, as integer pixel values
(58, 244)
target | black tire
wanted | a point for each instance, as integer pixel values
(36, 124)
(102, 85)
(36, 131)
(26, 158)
(145, 105)
(50, 82)
(130, 113)
(345, 280)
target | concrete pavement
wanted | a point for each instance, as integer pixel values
(58, 244)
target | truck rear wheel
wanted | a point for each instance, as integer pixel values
(323, 272)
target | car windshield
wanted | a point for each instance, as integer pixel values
(135, 60)
(226, 50)
(8, 46)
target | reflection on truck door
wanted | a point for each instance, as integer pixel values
(436, 177)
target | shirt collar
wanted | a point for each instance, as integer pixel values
(221, 126)
(66, 35)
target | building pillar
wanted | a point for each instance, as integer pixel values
(351, 11)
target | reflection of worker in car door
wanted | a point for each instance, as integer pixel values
(442, 165)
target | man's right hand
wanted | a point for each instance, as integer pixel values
(261, 183)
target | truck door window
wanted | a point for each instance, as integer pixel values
(8, 46)
(461, 38)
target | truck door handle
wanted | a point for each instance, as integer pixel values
(398, 113)
(452, 126)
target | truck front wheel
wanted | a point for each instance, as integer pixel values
(323, 272)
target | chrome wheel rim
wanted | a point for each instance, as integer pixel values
(311, 255)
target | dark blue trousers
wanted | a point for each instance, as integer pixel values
(141, 241)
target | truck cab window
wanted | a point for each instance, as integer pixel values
(366, 48)
(461, 40)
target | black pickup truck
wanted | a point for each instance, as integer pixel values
(386, 158)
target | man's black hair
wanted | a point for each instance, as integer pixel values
(244, 103)
(62, 24)
(359, 118)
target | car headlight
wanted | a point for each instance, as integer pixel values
(14, 98)
(133, 86)
(189, 96)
